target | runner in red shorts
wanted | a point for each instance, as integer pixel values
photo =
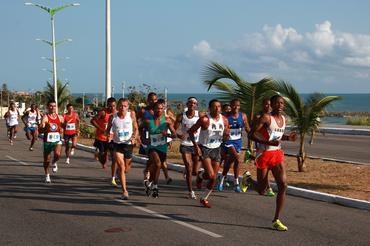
(269, 132)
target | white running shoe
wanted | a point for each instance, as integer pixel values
(55, 167)
(72, 151)
(47, 179)
(192, 195)
(67, 160)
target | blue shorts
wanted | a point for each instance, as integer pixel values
(237, 144)
(30, 129)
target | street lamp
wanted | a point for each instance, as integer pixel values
(52, 12)
(108, 81)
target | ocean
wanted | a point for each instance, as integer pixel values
(349, 102)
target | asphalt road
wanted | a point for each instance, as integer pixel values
(80, 207)
(343, 147)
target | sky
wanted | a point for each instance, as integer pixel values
(316, 45)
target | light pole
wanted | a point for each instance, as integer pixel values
(107, 51)
(52, 12)
(123, 89)
(1, 103)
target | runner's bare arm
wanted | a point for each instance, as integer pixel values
(93, 120)
(169, 122)
(135, 128)
(246, 124)
(177, 125)
(202, 123)
(109, 126)
(289, 137)
(78, 123)
(24, 117)
(44, 124)
(226, 134)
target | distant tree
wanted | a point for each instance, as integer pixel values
(63, 94)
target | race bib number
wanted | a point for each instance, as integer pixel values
(123, 135)
(53, 137)
(71, 126)
(157, 139)
(235, 133)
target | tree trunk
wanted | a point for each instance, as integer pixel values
(301, 157)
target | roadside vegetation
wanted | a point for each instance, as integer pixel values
(358, 121)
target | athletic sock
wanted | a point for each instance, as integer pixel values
(236, 181)
(206, 194)
(222, 179)
(155, 186)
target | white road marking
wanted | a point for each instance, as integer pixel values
(196, 228)
(13, 159)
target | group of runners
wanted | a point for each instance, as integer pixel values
(207, 140)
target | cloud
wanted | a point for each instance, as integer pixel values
(203, 49)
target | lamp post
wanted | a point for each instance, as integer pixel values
(107, 51)
(1, 103)
(52, 12)
(123, 89)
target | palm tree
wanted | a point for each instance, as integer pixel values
(63, 94)
(250, 95)
(304, 115)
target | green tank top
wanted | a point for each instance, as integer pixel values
(157, 140)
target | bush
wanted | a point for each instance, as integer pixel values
(358, 121)
(87, 131)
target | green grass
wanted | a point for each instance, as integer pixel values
(358, 121)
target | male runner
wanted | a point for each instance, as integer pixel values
(214, 127)
(125, 132)
(12, 117)
(100, 121)
(51, 126)
(30, 120)
(145, 114)
(266, 109)
(190, 157)
(157, 125)
(71, 128)
(232, 146)
(269, 132)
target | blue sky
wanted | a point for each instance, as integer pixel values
(316, 45)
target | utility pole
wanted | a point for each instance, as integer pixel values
(107, 51)
(123, 89)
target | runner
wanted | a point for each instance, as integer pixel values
(270, 154)
(12, 117)
(125, 132)
(265, 183)
(214, 128)
(190, 158)
(100, 121)
(158, 124)
(232, 147)
(51, 126)
(30, 120)
(144, 114)
(71, 128)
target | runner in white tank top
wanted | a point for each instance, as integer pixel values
(190, 157)
(11, 117)
(214, 128)
(125, 132)
(30, 120)
(269, 131)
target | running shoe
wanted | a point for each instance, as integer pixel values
(192, 195)
(147, 187)
(31, 149)
(199, 182)
(168, 181)
(205, 203)
(72, 151)
(220, 185)
(55, 167)
(15, 136)
(270, 192)
(47, 179)
(125, 196)
(96, 155)
(67, 160)
(279, 226)
(237, 188)
(11, 142)
(244, 183)
(113, 182)
(155, 193)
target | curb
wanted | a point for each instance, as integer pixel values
(294, 191)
